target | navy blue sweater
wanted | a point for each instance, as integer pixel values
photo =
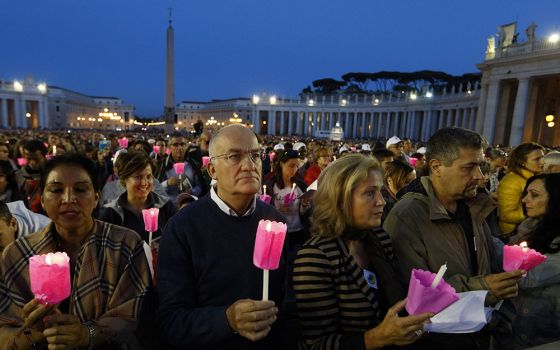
(205, 264)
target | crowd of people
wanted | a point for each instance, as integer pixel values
(359, 215)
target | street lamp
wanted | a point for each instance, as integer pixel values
(256, 99)
(554, 38)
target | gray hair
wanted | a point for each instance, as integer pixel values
(444, 145)
(551, 158)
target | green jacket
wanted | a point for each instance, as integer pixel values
(425, 237)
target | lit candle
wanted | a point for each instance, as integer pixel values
(268, 248)
(54, 150)
(524, 246)
(439, 275)
(150, 217)
(264, 189)
(205, 161)
(49, 277)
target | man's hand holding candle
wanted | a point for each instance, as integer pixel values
(252, 318)
(504, 285)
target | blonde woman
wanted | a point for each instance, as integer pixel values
(346, 293)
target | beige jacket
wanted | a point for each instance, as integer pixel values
(425, 237)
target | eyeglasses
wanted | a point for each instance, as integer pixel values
(140, 178)
(235, 158)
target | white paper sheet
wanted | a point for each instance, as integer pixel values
(466, 315)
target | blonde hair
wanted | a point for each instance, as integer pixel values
(332, 211)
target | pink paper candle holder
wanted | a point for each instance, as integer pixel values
(156, 149)
(423, 298)
(123, 143)
(289, 199)
(205, 161)
(268, 248)
(521, 258)
(179, 168)
(49, 276)
(150, 217)
(22, 161)
(265, 198)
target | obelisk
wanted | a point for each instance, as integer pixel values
(169, 107)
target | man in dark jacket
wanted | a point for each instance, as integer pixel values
(208, 288)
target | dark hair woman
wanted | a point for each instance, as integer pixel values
(136, 175)
(537, 320)
(285, 187)
(526, 160)
(109, 270)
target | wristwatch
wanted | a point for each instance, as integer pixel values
(92, 330)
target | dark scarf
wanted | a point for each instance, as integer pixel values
(390, 288)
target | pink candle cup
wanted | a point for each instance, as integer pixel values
(49, 276)
(150, 217)
(22, 161)
(271, 156)
(265, 198)
(423, 298)
(518, 257)
(156, 149)
(205, 161)
(123, 143)
(179, 168)
(268, 248)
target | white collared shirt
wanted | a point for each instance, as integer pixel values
(226, 209)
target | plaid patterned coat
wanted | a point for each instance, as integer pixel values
(110, 279)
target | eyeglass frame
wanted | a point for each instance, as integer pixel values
(249, 154)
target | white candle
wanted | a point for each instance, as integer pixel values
(54, 150)
(264, 189)
(524, 246)
(439, 275)
(265, 284)
(293, 188)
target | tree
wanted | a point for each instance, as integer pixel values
(328, 85)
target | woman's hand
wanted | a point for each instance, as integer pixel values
(33, 313)
(395, 330)
(65, 331)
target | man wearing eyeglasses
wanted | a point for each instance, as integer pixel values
(176, 183)
(208, 288)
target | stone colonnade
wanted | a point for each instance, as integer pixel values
(417, 124)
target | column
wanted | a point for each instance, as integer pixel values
(427, 125)
(291, 123)
(365, 128)
(519, 112)
(298, 123)
(441, 122)
(282, 123)
(323, 121)
(331, 120)
(398, 121)
(379, 124)
(305, 123)
(271, 124)
(479, 125)
(488, 116)
(347, 130)
(472, 119)
(373, 125)
(3, 113)
(355, 126)
(387, 124)
(413, 119)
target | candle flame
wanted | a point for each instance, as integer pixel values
(523, 244)
(48, 259)
(269, 226)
